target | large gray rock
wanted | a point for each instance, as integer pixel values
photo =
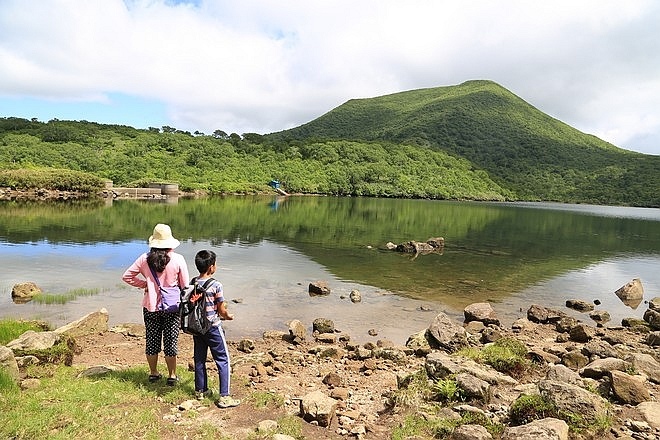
(297, 331)
(632, 291)
(544, 315)
(564, 374)
(323, 325)
(8, 362)
(582, 333)
(419, 344)
(579, 305)
(574, 400)
(602, 367)
(628, 389)
(318, 407)
(544, 429)
(653, 318)
(473, 387)
(470, 432)
(650, 412)
(95, 322)
(482, 312)
(654, 304)
(446, 334)
(646, 364)
(31, 340)
(439, 365)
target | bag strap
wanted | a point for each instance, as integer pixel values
(153, 272)
(203, 286)
(207, 283)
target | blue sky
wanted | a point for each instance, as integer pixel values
(264, 66)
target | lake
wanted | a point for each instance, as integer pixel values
(270, 248)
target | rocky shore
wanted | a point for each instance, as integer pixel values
(575, 380)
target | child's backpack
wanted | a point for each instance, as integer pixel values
(193, 314)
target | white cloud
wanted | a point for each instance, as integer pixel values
(262, 66)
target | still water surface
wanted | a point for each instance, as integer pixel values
(270, 249)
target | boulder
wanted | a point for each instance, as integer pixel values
(544, 429)
(297, 331)
(317, 407)
(446, 334)
(579, 305)
(433, 244)
(628, 389)
(645, 364)
(323, 325)
(582, 333)
(31, 340)
(95, 322)
(564, 374)
(418, 343)
(8, 362)
(482, 312)
(574, 400)
(653, 318)
(632, 293)
(650, 412)
(600, 316)
(318, 288)
(544, 315)
(470, 432)
(654, 304)
(473, 387)
(23, 292)
(355, 296)
(602, 367)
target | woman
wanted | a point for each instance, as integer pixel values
(161, 326)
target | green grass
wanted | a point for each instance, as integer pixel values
(11, 329)
(264, 399)
(63, 298)
(118, 405)
(7, 383)
(506, 355)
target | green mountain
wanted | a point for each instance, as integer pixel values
(522, 149)
(474, 141)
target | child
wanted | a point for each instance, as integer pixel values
(214, 339)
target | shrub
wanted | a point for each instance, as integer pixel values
(528, 408)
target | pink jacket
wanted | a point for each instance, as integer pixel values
(175, 274)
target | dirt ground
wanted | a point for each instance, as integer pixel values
(295, 373)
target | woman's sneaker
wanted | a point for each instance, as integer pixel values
(227, 402)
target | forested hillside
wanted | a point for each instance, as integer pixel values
(221, 163)
(475, 141)
(523, 149)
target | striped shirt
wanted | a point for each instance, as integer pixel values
(214, 296)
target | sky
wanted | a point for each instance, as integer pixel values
(261, 66)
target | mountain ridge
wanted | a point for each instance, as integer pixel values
(518, 145)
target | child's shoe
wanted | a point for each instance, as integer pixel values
(227, 402)
(201, 395)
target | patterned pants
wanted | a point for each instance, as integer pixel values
(161, 327)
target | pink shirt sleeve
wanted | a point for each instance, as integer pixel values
(139, 275)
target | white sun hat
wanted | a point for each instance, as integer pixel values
(162, 238)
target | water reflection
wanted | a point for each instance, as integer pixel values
(271, 248)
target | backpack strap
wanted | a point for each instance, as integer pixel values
(206, 284)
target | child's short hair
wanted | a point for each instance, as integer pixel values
(204, 259)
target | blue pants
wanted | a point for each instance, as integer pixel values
(214, 340)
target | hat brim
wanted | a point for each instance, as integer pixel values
(168, 243)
